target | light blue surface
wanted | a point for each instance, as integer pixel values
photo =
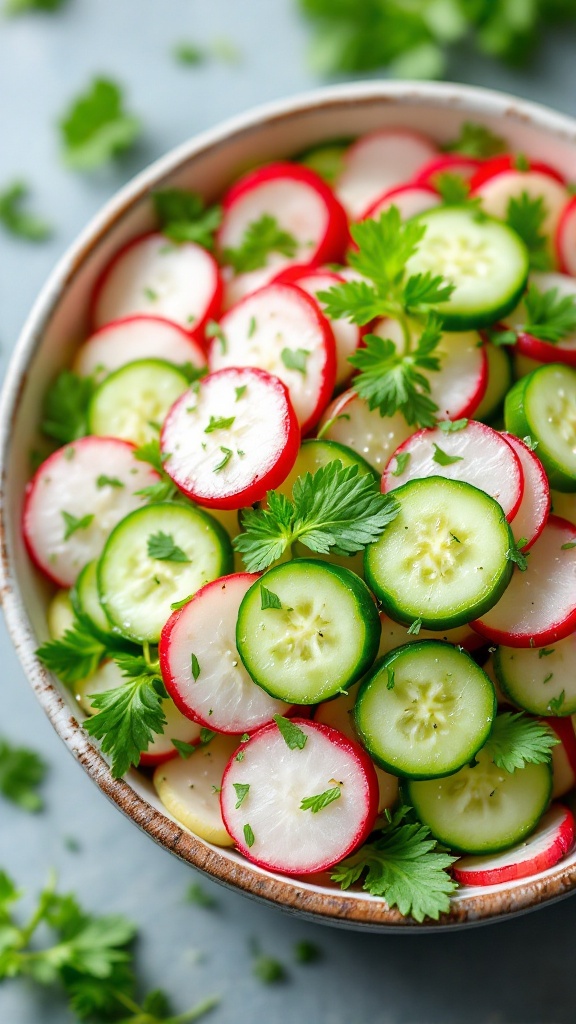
(519, 972)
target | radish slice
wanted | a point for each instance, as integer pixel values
(156, 277)
(238, 286)
(70, 481)
(566, 238)
(301, 203)
(213, 687)
(410, 199)
(189, 789)
(349, 421)
(459, 385)
(539, 605)
(463, 166)
(534, 510)
(489, 169)
(233, 465)
(485, 460)
(563, 755)
(136, 337)
(394, 634)
(347, 336)
(563, 351)
(280, 329)
(552, 840)
(267, 822)
(377, 162)
(497, 190)
(337, 713)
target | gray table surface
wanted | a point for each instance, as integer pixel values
(518, 972)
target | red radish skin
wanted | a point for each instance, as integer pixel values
(563, 755)
(178, 727)
(460, 383)
(488, 169)
(378, 161)
(462, 166)
(136, 337)
(263, 327)
(532, 515)
(410, 199)
(566, 238)
(563, 351)
(286, 838)
(488, 462)
(552, 840)
(349, 421)
(265, 430)
(223, 697)
(300, 201)
(153, 276)
(67, 481)
(539, 605)
(347, 336)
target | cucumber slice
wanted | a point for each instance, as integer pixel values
(484, 259)
(540, 681)
(425, 710)
(86, 601)
(60, 614)
(322, 639)
(445, 554)
(133, 401)
(137, 589)
(315, 453)
(499, 381)
(482, 809)
(543, 405)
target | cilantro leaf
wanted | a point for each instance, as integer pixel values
(356, 300)
(526, 216)
(321, 800)
(96, 128)
(549, 316)
(18, 221)
(66, 407)
(75, 655)
(268, 599)
(72, 523)
(337, 509)
(476, 140)
(292, 734)
(262, 237)
(405, 867)
(517, 740)
(184, 217)
(424, 290)
(164, 489)
(21, 772)
(163, 547)
(130, 715)
(442, 458)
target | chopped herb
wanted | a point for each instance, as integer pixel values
(176, 605)
(321, 800)
(213, 330)
(240, 392)
(442, 457)
(545, 651)
(292, 735)
(249, 836)
(75, 655)
(227, 453)
(549, 316)
(415, 627)
(477, 141)
(16, 220)
(66, 405)
(206, 736)
(108, 481)
(268, 970)
(242, 790)
(517, 740)
(295, 359)
(163, 547)
(452, 426)
(548, 678)
(184, 749)
(72, 523)
(455, 190)
(391, 681)
(402, 461)
(151, 295)
(184, 217)
(21, 6)
(557, 703)
(245, 737)
(514, 554)
(219, 423)
(96, 128)
(252, 327)
(568, 546)
(262, 237)
(21, 772)
(306, 952)
(532, 445)
(268, 599)
(196, 893)
(526, 216)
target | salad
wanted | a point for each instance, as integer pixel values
(309, 506)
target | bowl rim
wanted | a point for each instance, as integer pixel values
(353, 910)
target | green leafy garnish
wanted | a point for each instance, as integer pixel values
(262, 237)
(549, 316)
(402, 461)
(268, 599)
(515, 554)
(195, 665)
(219, 423)
(242, 790)
(249, 836)
(391, 681)
(295, 359)
(443, 459)
(292, 734)
(16, 220)
(164, 489)
(227, 454)
(454, 190)
(240, 392)
(557, 703)
(517, 740)
(337, 509)
(415, 627)
(21, 772)
(477, 141)
(162, 546)
(108, 481)
(96, 128)
(189, 53)
(184, 217)
(72, 523)
(196, 893)
(526, 216)
(184, 749)
(568, 546)
(65, 407)
(306, 952)
(404, 866)
(452, 426)
(544, 652)
(75, 655)
(267, 969)
(321, 800)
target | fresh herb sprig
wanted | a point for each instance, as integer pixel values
(96, 127)
(164, 489)
(477, 141)
(526, 216)
(517, 740)
(336, 510)
(21, 772)
(546, 315)
(261, 238)
(184, 217)
(65, 410)
(404, 866)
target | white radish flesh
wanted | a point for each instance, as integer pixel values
(153, 276)
(534, 509)
(136, 337)
(409, 199)
(497, 191)
(485, 460)
(539, 605)
(349, 421)
(214, 688)
(232, 466)
(71, 481)
(377, 162)
(273, 329)
(566, 238)
(189, 789)
(270, 827)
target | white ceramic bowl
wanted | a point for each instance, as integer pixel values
(57, 323)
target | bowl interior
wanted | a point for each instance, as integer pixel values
(57, 325)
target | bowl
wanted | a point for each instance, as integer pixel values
(207, 164)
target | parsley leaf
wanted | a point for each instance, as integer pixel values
(66, 406)
(455, 190)
(219, 423)
(443, 459)
(130, 715)
(16, 220)
(337, 509)
(96, 127)
(184, 217)
(108, 481)
(21, 772)
(526, 216)
(402, 460)
(477, 141)
(72, 523)
(292, 734)
(75, 655)
(195, 665)
(268, 599)
(262, 237)
(321, 800)
(549, 316)
(162, 546)
(515, 554)
(249, 836)
(556, 703)
(405, 867)
(295, 359)
(242, 790)
(517, 740)
(452, 426)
